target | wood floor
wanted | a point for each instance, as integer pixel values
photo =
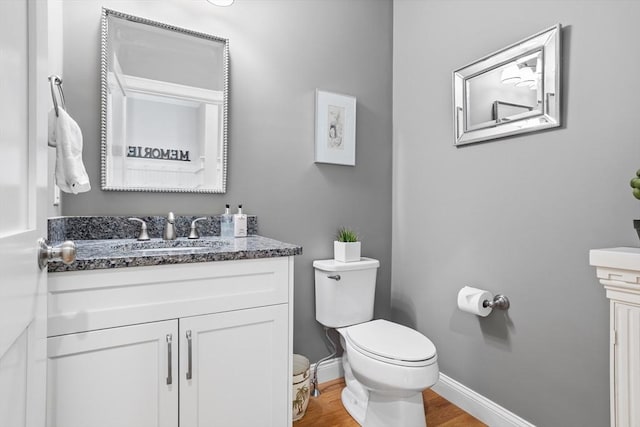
(327, 410)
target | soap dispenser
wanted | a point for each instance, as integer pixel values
(226, 223)
(240, 223)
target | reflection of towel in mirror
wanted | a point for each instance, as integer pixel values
(66, 136)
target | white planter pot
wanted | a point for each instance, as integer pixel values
(346, 251)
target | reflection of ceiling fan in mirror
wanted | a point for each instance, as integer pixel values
(523, 72)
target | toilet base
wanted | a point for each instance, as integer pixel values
(354, 406)
(374, 409)
(384, 410)
(354, 396)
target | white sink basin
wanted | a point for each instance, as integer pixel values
(154, 251)
(160, 247)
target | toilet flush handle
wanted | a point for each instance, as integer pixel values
(335, 277)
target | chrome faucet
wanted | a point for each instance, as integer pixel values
(143, 229)
(193, 234)
(169, 228)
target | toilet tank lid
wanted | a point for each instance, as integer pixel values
(333, 265)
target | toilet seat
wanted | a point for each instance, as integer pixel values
(391, 343)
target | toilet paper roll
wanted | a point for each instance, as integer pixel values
(471, 299)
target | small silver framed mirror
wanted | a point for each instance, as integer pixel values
(512, 91)
(165, 93)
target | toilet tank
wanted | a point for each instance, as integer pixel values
(345, 291)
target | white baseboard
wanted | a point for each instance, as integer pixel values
(329, 370)
(460, 395)
(477, 405)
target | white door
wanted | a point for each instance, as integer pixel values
(117, 377)
(23, 185)
(234, 372)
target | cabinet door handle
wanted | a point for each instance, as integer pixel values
(189, 356)
(169, 374)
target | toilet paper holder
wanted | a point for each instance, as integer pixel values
(499, 301)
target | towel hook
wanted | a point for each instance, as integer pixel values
(56, 80)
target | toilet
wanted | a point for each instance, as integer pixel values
(387, 366)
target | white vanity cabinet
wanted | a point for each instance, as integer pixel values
(113, 377)
(237, 375)
(619, 271)
(201, 344)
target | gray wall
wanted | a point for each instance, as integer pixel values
(280, 52)
(518, 215)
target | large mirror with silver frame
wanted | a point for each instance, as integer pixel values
(165, 93)
(512, 91)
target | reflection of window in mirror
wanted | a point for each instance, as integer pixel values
(156, 53)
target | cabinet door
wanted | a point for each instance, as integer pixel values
(626, 366)
(120, 377)
(236, 374)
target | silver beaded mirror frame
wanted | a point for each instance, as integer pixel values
(165, 93)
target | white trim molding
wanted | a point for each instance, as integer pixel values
(477, 405)
(329, 370)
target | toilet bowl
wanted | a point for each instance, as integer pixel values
(387, 366)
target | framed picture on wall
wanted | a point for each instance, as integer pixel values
(335, 128)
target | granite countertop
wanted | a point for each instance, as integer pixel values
(118, 253)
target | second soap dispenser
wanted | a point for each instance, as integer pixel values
(240, 223)
(226, 223)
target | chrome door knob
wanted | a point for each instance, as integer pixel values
(65, 252)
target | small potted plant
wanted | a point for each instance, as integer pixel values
(346, 247)
(635, 184)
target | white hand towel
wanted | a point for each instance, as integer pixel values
(66, 136)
